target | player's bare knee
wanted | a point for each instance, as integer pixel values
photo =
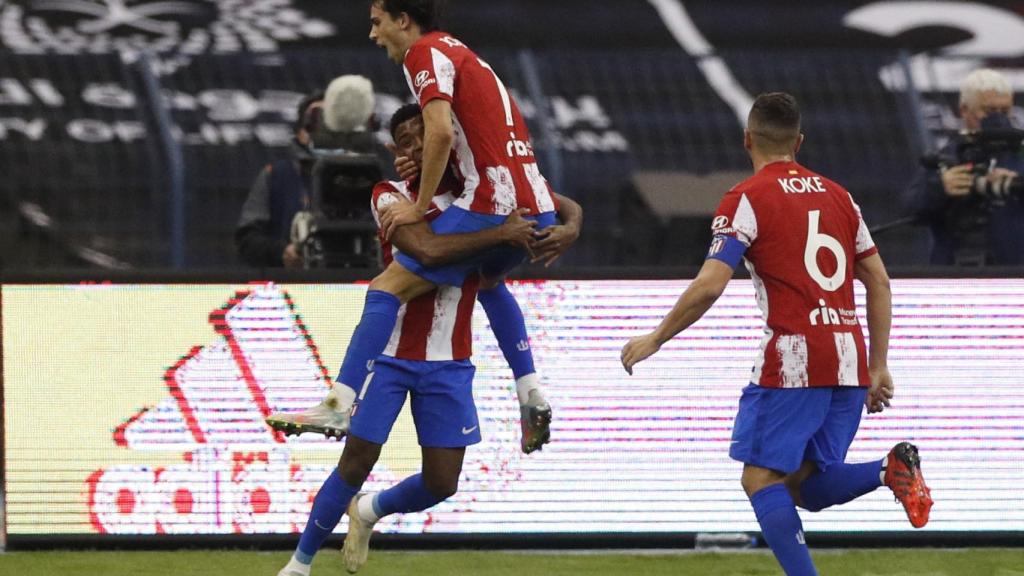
(755, 479)
(796, 479)
(357, 461)
(792, 483)
(442, 486)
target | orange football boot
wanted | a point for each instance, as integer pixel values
(903, 476)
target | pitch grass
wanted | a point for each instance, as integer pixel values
(909, 562)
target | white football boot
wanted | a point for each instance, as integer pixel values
(357, 541)
(327, 418)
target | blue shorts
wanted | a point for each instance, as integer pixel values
(781, 428)
(491, 263)
(442, 402)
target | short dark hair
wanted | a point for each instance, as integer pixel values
(775, 121)
(403, 115)
(302, 121)
(426, 13)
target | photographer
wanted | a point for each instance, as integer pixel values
(969, 194)
(334, 146)
(281, 191)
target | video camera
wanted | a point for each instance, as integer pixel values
(338, 230)
(996, 139)
(343, 233)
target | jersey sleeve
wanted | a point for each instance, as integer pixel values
(431, 74)
(384, 194)
(865, 244)
(734, 229)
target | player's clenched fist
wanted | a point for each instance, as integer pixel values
(639, 349)
(881, 391)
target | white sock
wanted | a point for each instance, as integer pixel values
(366, 512)
(881, 476)
(345, 397)
(525, 384)
(295, 566)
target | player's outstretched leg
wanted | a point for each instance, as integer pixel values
(509, 327)
(903, 476)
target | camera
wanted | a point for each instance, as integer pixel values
(996, 140)
(338, 229)
(342, 233)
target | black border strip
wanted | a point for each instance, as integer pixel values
(3, 439)
(512, 541)
(348, 275)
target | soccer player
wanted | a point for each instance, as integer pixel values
(474, 126)
(803, 240)
(427, 357)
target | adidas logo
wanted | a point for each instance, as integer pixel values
(523, 346)
(263, 361)
(237, 475)
(216, 467)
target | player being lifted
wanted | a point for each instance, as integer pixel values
(803, 240)
(472, 125)
(427, 358)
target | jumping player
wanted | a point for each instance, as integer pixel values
(473, 126)
(427, 358)
(803, 240)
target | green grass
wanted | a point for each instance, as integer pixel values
(913, 562)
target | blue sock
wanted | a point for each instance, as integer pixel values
(781, 528)
(380, 312)
(409, 495)
(509, 328)
(328, 506)
(840, 484)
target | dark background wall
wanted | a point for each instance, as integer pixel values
(614, 95)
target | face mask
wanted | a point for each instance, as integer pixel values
(996, 121)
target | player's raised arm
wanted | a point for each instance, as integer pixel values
(698, 298)
(871, 272)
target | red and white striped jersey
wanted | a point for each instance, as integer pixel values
(436, 325)
(803, 234)
(492, 155)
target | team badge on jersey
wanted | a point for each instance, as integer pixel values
(717, 245)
